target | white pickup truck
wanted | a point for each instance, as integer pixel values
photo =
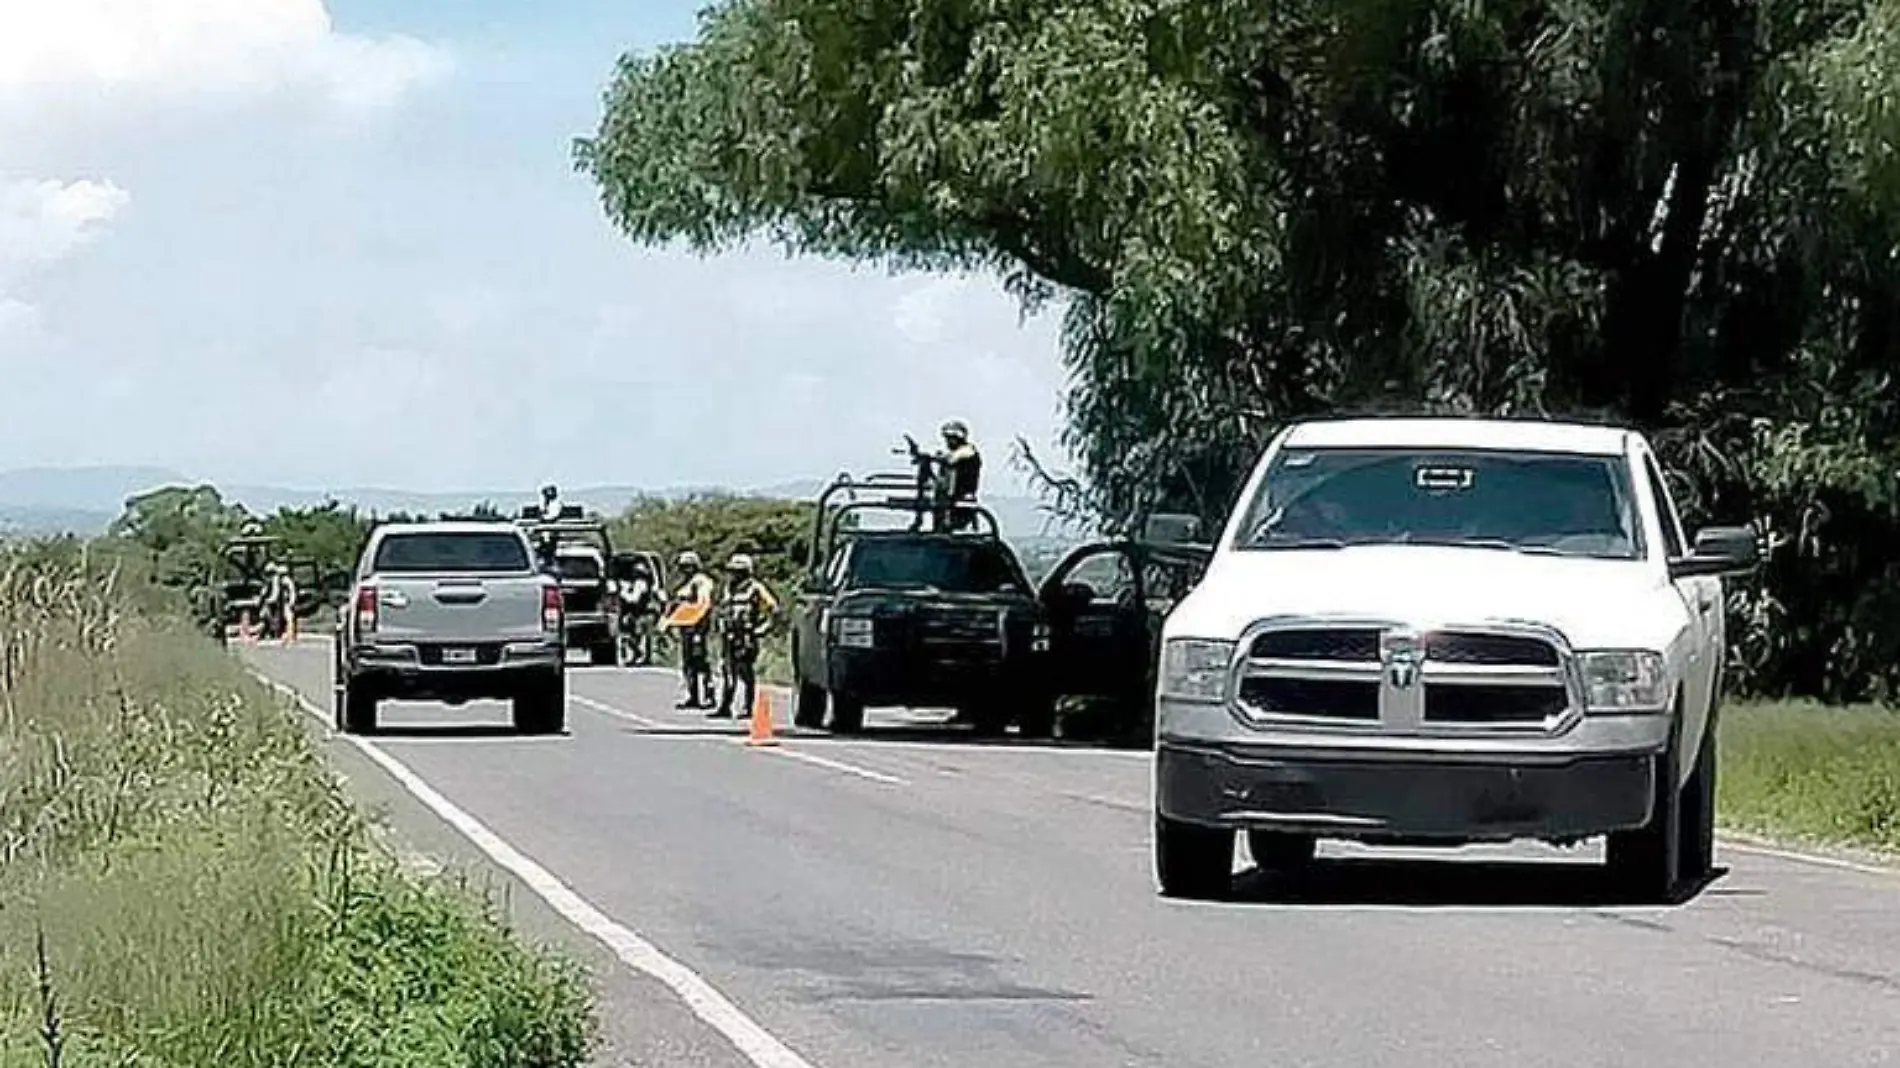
(1444, 631)
(455, 612)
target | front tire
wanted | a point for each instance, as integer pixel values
(1697, 826)
(847, 714)
(1646, 864)
(1193, 862)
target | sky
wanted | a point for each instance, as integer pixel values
(342, 245)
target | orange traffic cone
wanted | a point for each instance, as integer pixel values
(762, 733)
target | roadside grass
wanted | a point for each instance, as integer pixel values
(1799, 771)
(183, 882)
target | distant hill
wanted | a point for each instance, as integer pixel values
(85, 500)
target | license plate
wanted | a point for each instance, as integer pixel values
(458, 656)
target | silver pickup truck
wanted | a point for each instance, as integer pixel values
(453, 612)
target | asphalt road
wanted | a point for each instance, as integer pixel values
(919, 901)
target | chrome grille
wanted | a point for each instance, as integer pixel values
(958, 628)
(1390, 678)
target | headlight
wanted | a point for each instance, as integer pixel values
(1624, 681)
(1196, 669)
(854, 632)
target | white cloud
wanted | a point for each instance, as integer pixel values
(43, 221)
(18, 319)
(141, 52)
(433, 299)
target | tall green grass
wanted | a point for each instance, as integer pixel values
(1804, 772)
(183, 883)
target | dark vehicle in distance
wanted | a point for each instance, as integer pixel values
(244, 578)
(915, 618)
(576, 551)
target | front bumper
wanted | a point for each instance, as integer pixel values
(926, 680)
(1385, 796)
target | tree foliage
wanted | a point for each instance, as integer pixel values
(1683, 214)
(775, 532)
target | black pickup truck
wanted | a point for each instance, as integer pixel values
(923, 618)
(578, 551)
(915, 618)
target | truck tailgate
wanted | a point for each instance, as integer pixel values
(426, 608)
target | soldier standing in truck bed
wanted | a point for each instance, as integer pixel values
(960, 470)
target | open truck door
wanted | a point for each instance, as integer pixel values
(1097, 636)
(1106, 602)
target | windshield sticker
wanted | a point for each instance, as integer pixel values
(1300, 459)
(1444, 478)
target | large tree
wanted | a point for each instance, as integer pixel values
(1679, 211)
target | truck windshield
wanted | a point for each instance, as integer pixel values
(464, 551)
(950, 566)
(1556, 503)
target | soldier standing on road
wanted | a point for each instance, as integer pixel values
(636, 599)
(745, 616)
(695, 654)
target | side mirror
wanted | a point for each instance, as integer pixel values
(1719, 551)
(1170, 528)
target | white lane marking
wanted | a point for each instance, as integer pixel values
(606, 709)
(1755, 848)
(746, 1035)
(837, 765)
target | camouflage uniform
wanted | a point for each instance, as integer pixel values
(745, 616)
(960, 471)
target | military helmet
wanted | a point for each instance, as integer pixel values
(549, 491)
(251, 528)
(739, 564)
(689, 558)
(956, 428)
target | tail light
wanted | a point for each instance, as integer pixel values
(366, 608)
(551, 608)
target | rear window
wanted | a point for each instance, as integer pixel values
(444, 551)
(953, 567)
(579, 568)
